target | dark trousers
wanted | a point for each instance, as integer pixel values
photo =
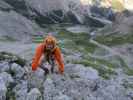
(52, 63)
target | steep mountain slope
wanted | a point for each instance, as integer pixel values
(96, 42)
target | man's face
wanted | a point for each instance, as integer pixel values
(49, 46)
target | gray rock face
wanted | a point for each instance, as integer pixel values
(5, 6)
(4, 66)
(62, 97)
(49, 90)
(3, 89)
(37, 78)
(71, 86)
(54, 11)
(34, 94)
(57, 11)
(111, 91)
(18, 70)
(44, 6)
(6, 78)
(15, 25)
(21, 90)
(82, 72)
(73, 58)
(77, 83)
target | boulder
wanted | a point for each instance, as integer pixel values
(21, 90)
(17, 70)
(5, 6)
(4, 66)
(34, 94)
(37, 78)
(62, 97)
(49, 90)
(19, 27)
(3, 89)
(81, 71)
(7, 78)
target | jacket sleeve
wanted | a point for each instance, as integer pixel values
(37, 56)
(59, 60)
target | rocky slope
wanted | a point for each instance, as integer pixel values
(97, 49)
(77, 83)
(93, 71)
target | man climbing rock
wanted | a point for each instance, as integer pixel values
(48, 51)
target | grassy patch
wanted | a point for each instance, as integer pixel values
(78, 40)
(12, 58)
(7, 38)
(104, 71)
(10, 94)
(125, 67)
(104, 67)
(129, 71)
(37, 39)
(115, 39)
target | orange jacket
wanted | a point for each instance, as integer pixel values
(40, 50)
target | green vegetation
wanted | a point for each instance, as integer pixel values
(129, 71)
(10, 95)
(7, 38)
(125, 67)
(115, 39)
(104, 71)
(37, 39)
(77, 40)
(12, 58)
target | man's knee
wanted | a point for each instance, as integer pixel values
(46, 71)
